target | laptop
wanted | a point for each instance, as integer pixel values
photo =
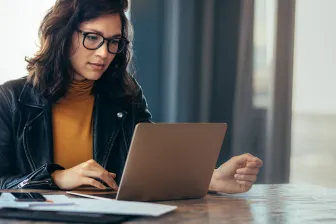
(170, 161)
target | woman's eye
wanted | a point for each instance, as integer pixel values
(92, 37)
(116, 41)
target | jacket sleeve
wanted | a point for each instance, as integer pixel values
(10, 176)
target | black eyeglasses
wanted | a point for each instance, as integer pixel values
(93, 41)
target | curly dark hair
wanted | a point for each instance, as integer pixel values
(49, 70)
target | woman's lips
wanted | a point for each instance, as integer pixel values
(96, 66)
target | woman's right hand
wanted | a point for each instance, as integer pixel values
(84, 174)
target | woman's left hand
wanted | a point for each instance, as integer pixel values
(236, 175)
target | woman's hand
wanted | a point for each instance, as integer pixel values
(84, 174)
(236, 175)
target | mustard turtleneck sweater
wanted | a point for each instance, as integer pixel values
(72, 125)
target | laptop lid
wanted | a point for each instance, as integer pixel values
(171, 161)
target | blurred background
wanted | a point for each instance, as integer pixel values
(265, 67)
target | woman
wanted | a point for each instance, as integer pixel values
(70, 121)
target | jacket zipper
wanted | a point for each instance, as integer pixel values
(111, 142)
(110, 145)
(28, 180)
(27, 150)
(20, 184)
(29, 183)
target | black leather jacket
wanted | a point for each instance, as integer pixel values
(26, 147)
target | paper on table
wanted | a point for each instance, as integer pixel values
(111, 207)
(89, 196)
(8, 200)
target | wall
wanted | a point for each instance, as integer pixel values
(19, 32)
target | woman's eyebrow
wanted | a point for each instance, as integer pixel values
(97, 31)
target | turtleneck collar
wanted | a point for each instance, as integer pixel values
(79, 89)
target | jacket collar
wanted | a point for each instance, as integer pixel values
(30, 97)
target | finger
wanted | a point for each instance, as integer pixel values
(92, 182)
(113, 175)
(259, 162)
(250, 178)
(254, 164)
(240, 160)
(245, 186)
(96, 169)
(248, 171)
(249, 155)
(249, 158)
(102, 175)
(256, 161)
(245, 183)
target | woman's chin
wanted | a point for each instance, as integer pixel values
(91, 76)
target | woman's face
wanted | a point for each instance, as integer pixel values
(91, 64)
